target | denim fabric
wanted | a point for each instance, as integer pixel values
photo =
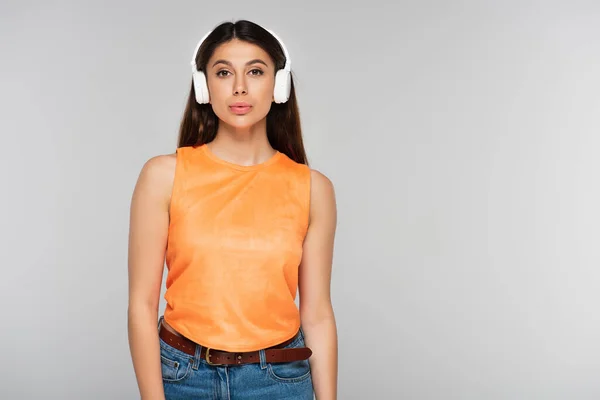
(190, 377)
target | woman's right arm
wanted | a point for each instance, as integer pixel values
(148, 231)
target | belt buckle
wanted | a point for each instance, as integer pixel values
(207, 358)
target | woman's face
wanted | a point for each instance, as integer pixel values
(240, 72)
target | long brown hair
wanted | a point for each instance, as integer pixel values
(199, 123)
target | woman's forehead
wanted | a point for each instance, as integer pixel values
(239, 52)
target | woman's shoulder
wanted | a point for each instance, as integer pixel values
(319, 178)
(157, 174)
(322, 195)
(321, 186)
(159, 166)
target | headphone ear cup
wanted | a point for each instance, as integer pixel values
(283, 86)
(200, 87)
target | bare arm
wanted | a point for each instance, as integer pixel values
(318, 320)
(148, 228)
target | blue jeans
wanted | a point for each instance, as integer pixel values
(188, 377)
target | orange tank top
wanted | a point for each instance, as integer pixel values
(233, 250)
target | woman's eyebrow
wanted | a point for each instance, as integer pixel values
(256, 60)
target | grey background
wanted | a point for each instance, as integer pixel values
(461, 137)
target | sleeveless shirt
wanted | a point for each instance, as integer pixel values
(233, 249)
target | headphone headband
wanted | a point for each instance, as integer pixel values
(193, 62)
(286, 67)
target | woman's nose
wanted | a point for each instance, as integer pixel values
(240, 87)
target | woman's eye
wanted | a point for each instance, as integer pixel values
(255, 72)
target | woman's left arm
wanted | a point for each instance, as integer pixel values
(316, 311)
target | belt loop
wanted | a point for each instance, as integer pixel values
(196, 360)
(263, 358)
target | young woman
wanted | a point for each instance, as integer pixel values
(243, 224)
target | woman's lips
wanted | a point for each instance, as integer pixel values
(240, 109)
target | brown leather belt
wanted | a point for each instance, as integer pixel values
(274, 354)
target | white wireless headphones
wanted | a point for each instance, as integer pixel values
(283, 84)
